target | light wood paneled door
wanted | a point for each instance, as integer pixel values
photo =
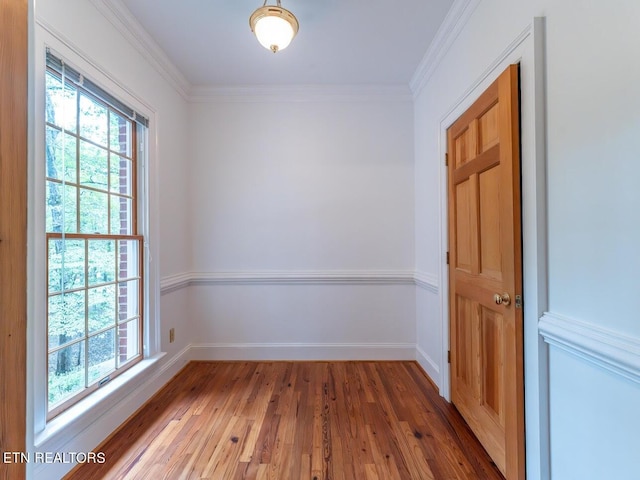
(485, 272)
(13, 232)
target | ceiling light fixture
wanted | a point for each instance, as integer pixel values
(273, 26)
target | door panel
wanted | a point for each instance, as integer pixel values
(487, 382)
(493, 358)
(467, 327)
(488, 133)
(489, 217)
(464, 227)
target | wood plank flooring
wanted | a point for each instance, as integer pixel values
(297, 421)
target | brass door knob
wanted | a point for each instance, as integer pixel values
(503, 299)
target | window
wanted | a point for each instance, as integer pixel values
(94, 249)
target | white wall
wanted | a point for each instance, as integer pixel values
(594, 421)
(308, 191)
(310, 185)
(80, 33)
(306, 248)
(593, 148)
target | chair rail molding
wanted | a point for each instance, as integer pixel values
(607, 349)
(172, 283)
(426, 281)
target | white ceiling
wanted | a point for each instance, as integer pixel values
(340, 42)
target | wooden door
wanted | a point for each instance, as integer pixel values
(485, 266)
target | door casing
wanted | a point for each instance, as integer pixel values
(526, 49)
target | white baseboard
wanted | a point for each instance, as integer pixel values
(428, 365)
(303, 351)
(613, 351)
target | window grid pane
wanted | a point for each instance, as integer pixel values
(94, 322)
(94, 287)
(129, 341)
(102, 355)
(66, 372)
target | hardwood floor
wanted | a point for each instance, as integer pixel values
(297, 421)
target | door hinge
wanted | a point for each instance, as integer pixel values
(449, 356)
(518, 301)
(447, 258)
(446, 159)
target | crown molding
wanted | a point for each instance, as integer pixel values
(299, 93)
(453, 23)
(116, 12)
(123, 20)
(612, 351)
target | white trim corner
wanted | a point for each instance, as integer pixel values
(430, 367)
(427, 281)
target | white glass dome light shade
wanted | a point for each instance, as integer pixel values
(274, 27)
(274, 33)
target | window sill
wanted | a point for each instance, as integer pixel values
(88, 410)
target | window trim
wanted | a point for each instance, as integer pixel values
(82, 90)
(55, 63)
(116, 395)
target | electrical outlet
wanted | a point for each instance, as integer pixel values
(172, 335)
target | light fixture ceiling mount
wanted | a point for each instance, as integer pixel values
(273, 26)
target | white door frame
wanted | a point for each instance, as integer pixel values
(527, 49)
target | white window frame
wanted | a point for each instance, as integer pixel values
(54, 434)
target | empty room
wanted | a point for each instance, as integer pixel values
(319, 240)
